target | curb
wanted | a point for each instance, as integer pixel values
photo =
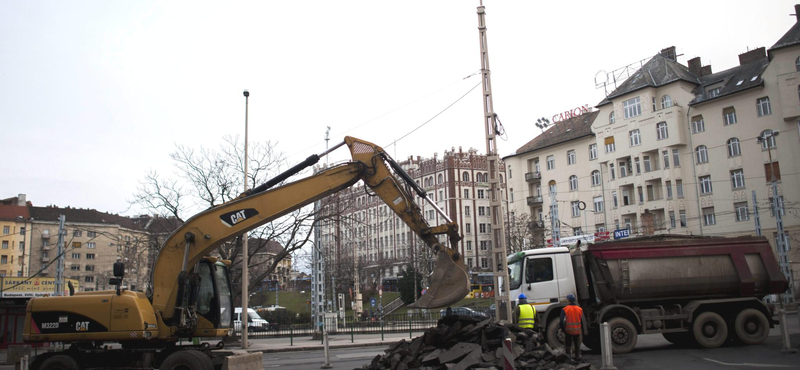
(319, 347)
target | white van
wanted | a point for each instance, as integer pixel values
(255, 322)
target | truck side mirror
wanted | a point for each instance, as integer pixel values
(119, 269)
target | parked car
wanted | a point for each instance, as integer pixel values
(254, 321)
(465, 311)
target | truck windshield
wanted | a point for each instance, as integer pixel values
(224, 289)
(515, 274)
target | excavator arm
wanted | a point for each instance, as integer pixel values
(204, 232)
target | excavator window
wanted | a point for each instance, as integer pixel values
(223, 286)
(205, 294)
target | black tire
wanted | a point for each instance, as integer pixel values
(187, 360)
(59, 362)
(554, 334)
(683, 339)
(623, 335)
(751, 326)
(710, 330)
(592, 341)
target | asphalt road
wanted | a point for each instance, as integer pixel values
(350, 358)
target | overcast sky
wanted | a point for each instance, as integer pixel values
(95, 93)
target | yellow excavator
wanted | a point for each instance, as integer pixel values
(191, 295)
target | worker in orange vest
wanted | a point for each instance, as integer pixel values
(571, 317)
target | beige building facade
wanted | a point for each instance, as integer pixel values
(675, 149)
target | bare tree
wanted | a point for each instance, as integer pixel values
(524, 233)
(206, 178)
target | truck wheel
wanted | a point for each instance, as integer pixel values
(710, 330)
(751, 326)
(60, 362)
(555, 336)
(187, 360)
(592, 341)
(623, 335)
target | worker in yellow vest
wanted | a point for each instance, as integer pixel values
(525, 313)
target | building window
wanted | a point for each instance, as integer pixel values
(668, 185)
(480, 194)
(769, 143)
(661, 131)
(737, 179)
(75, 267)
(465, 176)
(672, 219)
(635, 137)
(469, 228)
(734, 150)
(666, 102)
(614, 197)
(551, 162)
(482, 228)
(91, 234)
(729, 116)
(466, 211)
(552, 185)
(611, 118)
(5, 244)
(466, 193)
(679, 188)
(647, 165)
(91, 245)
(592, 151)
(484, 245)
(682, 215)
(797, 64)
(708, 216)
(89, 267)
(76, 256)
(768, 170)
(89, 256)
(676, 157)
(632, 107)
(713, 93)
(469, 245)
(598, 204)
(481, 211)
(705, 184)
(611, 170)
(570, 157)
(6, 230)
(698, 125)
(702, 154)
(623, 169)
(89, 279)
(741, 211)
(641, 194)
(610, 147)
(665, 154)
(576, 210)
(77, 233)
(484, 263)
(577, 231)
(763, 107)
(573, 183)
(638, 166)
(595, 178)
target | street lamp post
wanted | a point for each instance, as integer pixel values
(245, 261)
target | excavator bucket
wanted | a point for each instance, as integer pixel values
(449, 282)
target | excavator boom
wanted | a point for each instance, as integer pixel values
(204, 232)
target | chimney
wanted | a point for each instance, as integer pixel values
(669, 53)
(752, 56)
(21, 201)
(706, 70)
(695, 66)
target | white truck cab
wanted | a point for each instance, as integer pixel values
(544, 275)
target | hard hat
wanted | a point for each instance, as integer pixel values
(522, 296)
(571, 297)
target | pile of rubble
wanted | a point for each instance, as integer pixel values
(464, 342)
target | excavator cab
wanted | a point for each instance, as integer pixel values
(213, 301)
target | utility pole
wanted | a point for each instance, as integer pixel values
(555, 223)
(245, 260)
(755, 214)
(768, 138)
(492, 128)
(59, 289)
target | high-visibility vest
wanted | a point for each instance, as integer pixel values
(527, 316)
(572, 322)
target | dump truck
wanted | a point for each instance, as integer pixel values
(692, 290)
(191, 295)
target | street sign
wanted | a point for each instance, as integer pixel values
(624, 233)
(372, 302)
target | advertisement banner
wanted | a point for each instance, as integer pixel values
(21, 287)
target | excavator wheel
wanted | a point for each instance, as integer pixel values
(59, 362)
(187, 360)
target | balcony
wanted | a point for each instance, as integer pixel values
(533, 176)
(45, 259)
(46, 234)
(535, 224)
(534, 200)
(46, 248)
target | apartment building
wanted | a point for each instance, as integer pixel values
(358, 230)
(14, 238)
(675, 149)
